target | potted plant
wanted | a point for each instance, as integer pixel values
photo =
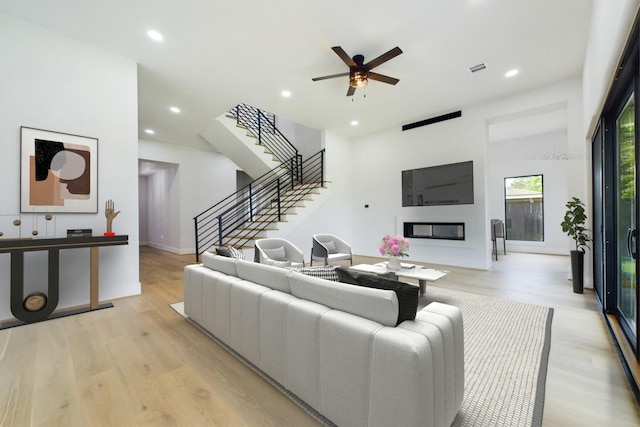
(574, 225)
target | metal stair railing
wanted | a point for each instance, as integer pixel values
(261, 125)
(242, 216)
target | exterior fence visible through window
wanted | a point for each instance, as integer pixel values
(524, 208)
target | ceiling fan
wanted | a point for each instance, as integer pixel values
(359, 73)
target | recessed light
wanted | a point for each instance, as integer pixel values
(150, 131)
(155, 35)
(174, 109)
(354, 123)
(286, 93)
(511, 73)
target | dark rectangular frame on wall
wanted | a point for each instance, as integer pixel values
(58, 172)
(434, 230)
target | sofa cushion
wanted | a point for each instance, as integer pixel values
(327, 272)
(280, 264)
(378, 305)
(407, 294)
(263, 274)
(222, 251)
(276, 254)
(230, 252)
(222, 264)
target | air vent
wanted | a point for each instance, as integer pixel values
(478, 68)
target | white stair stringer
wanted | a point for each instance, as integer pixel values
(233, 141)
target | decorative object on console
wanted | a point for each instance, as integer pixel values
(79, 232)
(394, 247)
(110, 213)
(59, 172)
(41, 225)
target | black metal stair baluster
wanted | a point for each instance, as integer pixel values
(322, 168)
(250, 203)
(259, 128)
(195, 224)
(278, 193)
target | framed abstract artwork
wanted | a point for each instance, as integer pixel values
(58, 172)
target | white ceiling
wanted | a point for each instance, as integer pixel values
(217, 53)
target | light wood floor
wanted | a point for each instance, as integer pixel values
(139, 363)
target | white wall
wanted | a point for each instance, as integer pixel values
(335, 216)
(143, 184)
(378, 160)
(377, 163)
(307, 140)
(55, 83)
(527, 156)
(560, 156)
(611, 23)
(163, 209)
(176, 195)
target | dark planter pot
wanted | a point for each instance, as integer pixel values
(577, 271)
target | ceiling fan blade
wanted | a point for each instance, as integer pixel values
(383, 58)
(351, 91)
(382, 78)
(315, 79)
(343, 55)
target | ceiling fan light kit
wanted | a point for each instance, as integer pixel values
(359, 72)
(358, 79)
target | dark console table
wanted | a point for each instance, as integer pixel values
(39, 306)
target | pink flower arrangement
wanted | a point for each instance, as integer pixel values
(394, 246)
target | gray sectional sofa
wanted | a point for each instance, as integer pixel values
(335, 346)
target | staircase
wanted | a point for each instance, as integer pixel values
(272, 200)
(248, 136)
(272, 218)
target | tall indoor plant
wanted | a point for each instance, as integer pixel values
(574, 225)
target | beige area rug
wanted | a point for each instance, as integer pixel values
(507, 347)
(506, 355)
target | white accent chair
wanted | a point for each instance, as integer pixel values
(329, 248)
(278, 252)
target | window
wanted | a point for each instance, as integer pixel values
(524, 213)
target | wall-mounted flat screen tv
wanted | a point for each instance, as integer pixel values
(450, 184)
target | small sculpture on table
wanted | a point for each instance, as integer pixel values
(110, 213)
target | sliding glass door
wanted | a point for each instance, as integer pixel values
(616, 203)
(626, 216)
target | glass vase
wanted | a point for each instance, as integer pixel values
(394, 263)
